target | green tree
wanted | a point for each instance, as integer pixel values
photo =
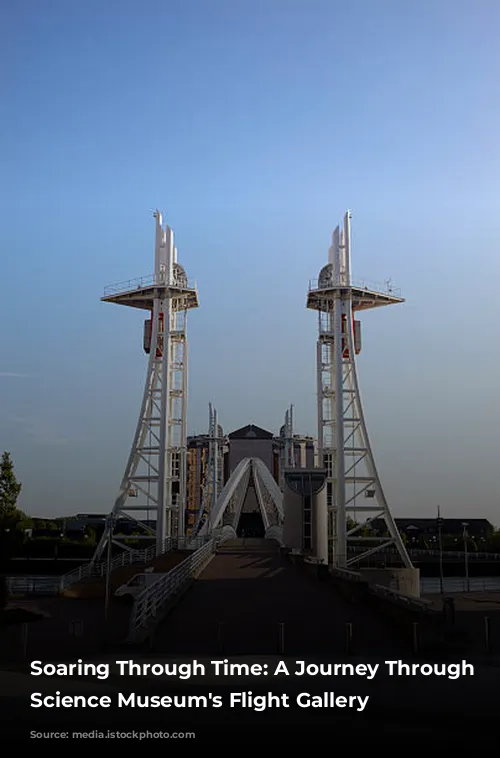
(91, 535)
(9, 489)
(10, 515)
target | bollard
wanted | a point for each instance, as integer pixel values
(487, 635)
(348, 637)
(220, 637)
(452, 610)
(281, 637)
(25, 639)
(415, 637)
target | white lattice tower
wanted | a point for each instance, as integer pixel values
(354, 491)
(214, 470)
(153, 488)
(286, 452)
(289, 450)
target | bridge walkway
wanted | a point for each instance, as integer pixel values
(239, 602)
(95, 587)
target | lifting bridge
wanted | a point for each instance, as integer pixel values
(249, 473)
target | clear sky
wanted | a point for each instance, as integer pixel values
(253, 125)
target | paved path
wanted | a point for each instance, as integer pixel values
(249, 600)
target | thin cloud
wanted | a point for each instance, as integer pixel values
(13, 374)
(40, 431)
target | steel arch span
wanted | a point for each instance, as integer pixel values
(250, 472)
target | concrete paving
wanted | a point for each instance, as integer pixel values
(250, 600)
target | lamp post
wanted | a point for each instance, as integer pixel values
(111, 526)
(439, 521)
(465, 535)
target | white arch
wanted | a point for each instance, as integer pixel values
(269, 497)
(276, 494)
(226, 533)
(275, 533)
(230, 488)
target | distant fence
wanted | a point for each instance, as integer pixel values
(419, 553)
(432, 585)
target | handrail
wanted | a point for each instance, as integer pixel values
(57, 584)
(346, 574)
(152, 598)
(471, 555)
(408, 600)
(432, 585)
(364, 284)
(32, 585)
(146, 281)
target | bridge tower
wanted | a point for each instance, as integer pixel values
(153, 487)
(214, 476)
(354, 491)
(286, 452)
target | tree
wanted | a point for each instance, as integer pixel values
(9, 490)
(10, 515)
(91, 536)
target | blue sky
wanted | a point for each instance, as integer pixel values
(253, 125)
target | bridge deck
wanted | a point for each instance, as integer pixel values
(81, 606)
(237, 604)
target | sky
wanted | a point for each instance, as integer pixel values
(253, 125)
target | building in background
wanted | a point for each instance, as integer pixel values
(305, 449)
(248, 442)
(424, 532)
(253, 442)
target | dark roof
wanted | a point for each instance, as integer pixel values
(452, 524)
(449, 521)
(249, 432)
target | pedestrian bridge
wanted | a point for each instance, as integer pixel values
(251, 489)
(244, 597)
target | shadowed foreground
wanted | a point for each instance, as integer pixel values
(250, 600)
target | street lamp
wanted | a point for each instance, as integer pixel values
(439, 522)
(110, 523)
(465, 535)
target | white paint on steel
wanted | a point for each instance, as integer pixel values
(230, 502)
(153, 487)
(354, 489)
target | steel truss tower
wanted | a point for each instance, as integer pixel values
(214, 471)
(153, 488)
(354, 491)
(287, 451)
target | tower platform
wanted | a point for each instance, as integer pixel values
(141, 293)
(364, 296)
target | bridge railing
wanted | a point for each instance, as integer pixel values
(141, 282)
(388, 593)
(33, 585)
(471, 555)
(44, 585)
(149, 603)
